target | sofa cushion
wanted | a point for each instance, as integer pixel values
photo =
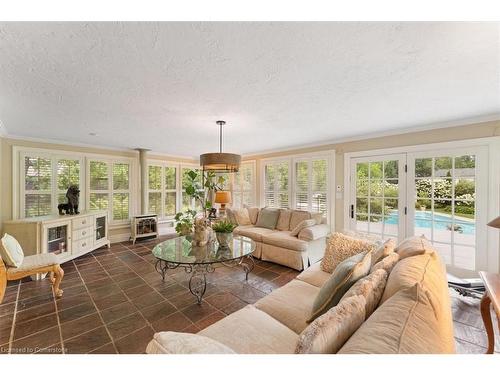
(412, 246)
(405, 324)
(314, 275)
(230, 216)
(383, 250)
(284, 239)
(291, 304)
(315, 232)
(11, 251)
(253, 212)
(386, 263)
(284, 219)
(255, 233)
(344, 276)
(185, 343)
(32, 262)
(330, 331)
(242, 216)
(268, 217)
(302, 225)
(341, 247)
(371, 287)
(252, 331)
(297, 217)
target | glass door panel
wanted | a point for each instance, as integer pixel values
(444, 195)
(377, 200)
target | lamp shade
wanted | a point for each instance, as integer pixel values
(495, 223)
(220, 162)
(223, 197)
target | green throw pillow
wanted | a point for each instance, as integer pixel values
(345, 275)
(268, 218)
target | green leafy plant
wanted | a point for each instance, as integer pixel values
(202, 191)
(223, 226)
(184, 222)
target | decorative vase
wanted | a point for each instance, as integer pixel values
(224, 239)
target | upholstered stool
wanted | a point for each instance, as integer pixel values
(31, 265)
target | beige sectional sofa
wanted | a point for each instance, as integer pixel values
(279, 246)
(413, 316)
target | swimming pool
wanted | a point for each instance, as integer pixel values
(423, 219)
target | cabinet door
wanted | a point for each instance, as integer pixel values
(57, 239)
(101, 229)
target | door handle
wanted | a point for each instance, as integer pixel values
(352, 211)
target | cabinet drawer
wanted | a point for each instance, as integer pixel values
(82, 222)
(82, 245)
(82, 233)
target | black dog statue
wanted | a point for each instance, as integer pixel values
(71, 208)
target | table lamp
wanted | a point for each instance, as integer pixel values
(222, 197)
(495, 223)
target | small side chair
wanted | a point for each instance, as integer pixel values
(31, 265)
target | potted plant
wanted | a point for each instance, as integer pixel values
(203, 192)
(224, 232)
(184, 222)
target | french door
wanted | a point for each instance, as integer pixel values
(436, 193)
(378, 195)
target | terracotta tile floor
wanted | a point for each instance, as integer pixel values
(114, 301)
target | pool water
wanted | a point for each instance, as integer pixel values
(423, 219)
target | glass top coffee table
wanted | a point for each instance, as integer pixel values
(200, 260)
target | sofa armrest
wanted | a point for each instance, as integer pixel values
(185, 343)
(315, 232)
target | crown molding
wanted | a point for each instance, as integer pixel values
(386, 133)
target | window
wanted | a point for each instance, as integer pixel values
(109, 188)
(243, 185)
(45, 180)
(187, 201)
(276, 184)
(162, 190)
(437, 191)
(311, 185)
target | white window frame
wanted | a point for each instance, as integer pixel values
(163, 191)
(328, 155)
(488, 260)
(235, 190)
(111, 161)
(19, 178)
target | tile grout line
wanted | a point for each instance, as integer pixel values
(97, 309)
(12, 329)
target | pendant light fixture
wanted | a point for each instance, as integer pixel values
(220, 161)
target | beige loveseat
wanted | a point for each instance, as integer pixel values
(279, 246)
(413, 316)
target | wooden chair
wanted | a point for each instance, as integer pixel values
(33, 264)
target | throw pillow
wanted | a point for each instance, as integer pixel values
(253, 212)
(371, 287)
(242, 217)
(341, 247)
(344, 276)
(268, 217)
(11, 251)
(284, 219)
(297, 217)
(318, 217)
(386, 263)
(302, 225)
(383, 250)
(412, 246)
(328, 333)
(231, 216)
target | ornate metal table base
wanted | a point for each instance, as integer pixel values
(198, 279)
(247, 267)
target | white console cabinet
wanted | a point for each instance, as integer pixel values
(67, 236)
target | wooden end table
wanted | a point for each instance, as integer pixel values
(491, 296)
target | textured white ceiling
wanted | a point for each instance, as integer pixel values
(163, 85)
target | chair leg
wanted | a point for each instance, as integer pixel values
(59, 274)
(3, 285)
(51, 277)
